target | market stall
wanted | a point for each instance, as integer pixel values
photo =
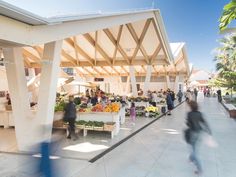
(94, 118)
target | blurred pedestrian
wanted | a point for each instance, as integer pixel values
(70, 117)
(172, 95)
(208, 92)
(132, 113)
(180, 95)
(196, 124)
(45, 163)
(195, 92)
(169, 102)
(219, 95)
(188, 96)
(204, 91)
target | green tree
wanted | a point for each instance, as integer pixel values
(226, 63)
(228, 14)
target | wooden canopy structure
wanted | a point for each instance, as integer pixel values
(92, 58)
(137, 43)
(105, 45)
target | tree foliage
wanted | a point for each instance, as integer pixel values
(228, 14)
(226, 62)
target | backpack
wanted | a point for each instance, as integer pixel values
(163, 109)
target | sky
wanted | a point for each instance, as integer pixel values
(194, 22)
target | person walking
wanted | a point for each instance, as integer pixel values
(154, 98)
(169, 102)
(204, 92)
(180, 95)
(172, 95)
(188, 96)
(195, 92)
(196, 124)
(45, 162)
(70, 117)
(132, 113)
(219, 95)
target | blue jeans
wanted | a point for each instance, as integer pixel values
(193, 156)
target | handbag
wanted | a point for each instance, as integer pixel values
(187, 135)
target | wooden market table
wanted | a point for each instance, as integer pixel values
(103, 117)
(116, 118)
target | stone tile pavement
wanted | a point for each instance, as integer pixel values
(157, 151)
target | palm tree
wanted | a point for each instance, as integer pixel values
(226, 63)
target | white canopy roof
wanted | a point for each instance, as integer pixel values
(99, 44)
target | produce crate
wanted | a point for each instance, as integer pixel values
(80, 126)
(58, 123)
(98, 128)
(86, 127)
(109, 126)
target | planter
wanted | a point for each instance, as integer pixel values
(109, 126)
(232, 113)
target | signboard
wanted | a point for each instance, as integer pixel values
(98, 79)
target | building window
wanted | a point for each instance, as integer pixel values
(124, 78)
(157, 79)
(69, 71)
(140, 78)
(172, 78)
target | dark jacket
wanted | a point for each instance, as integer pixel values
(70, 110)
(196, 122)
(94, 101)
(180, 94)
(169, 100)
(172, 95)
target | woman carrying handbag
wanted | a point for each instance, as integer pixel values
(196, 125)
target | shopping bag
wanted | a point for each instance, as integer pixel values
(209, 141)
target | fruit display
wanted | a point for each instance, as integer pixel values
(97, 108)
(84, 109)
(113, 107)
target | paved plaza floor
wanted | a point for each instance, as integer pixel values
(157, 151)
